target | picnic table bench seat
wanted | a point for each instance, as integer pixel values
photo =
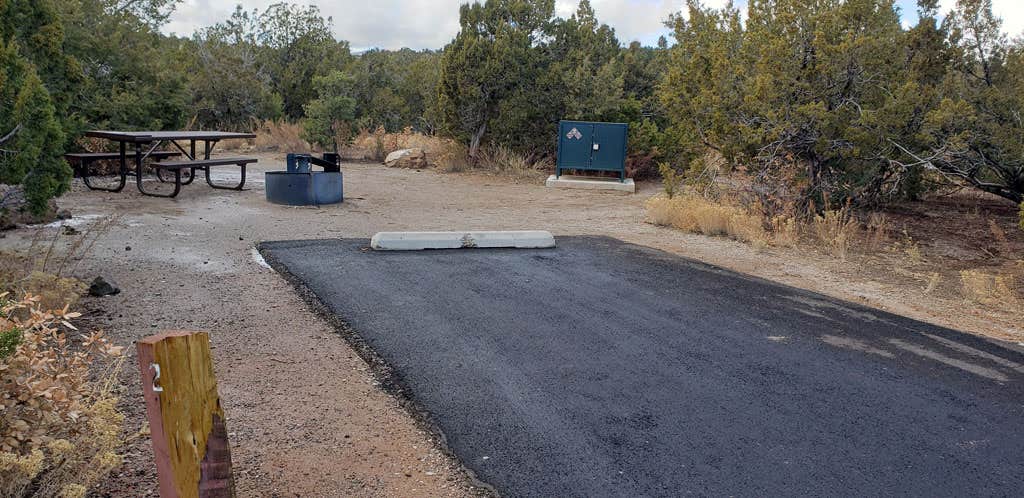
(87, 157)
(80, 161)
(204, 164)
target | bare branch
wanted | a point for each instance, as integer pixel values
(10, 135)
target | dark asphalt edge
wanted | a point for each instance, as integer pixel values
(390, 382)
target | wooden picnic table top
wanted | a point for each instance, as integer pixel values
(153, 136)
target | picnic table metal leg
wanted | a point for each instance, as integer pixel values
(207, 148)
(192, 156)
(209, 181)
(159, 175)
(240, 186)
(83, 171)
(138, 176)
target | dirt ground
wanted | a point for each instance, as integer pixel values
(305, 414)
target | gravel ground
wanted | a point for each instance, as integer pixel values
(306, 414)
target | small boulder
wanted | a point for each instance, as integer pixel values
(101, 287)
(14, 210)
(407, 158)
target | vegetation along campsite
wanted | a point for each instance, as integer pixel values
(511, 248)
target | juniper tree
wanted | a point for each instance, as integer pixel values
(491, 71)
(329, 117)
(585, 57)
(976, 133)
(31, 139)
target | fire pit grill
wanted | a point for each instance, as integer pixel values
(299, 185)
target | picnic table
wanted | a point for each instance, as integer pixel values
(143, 145)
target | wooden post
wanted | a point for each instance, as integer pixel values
(190, 440)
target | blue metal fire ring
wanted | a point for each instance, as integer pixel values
(299, 185)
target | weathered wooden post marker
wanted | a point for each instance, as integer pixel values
(190, 440)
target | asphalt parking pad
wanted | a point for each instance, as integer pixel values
(604, 368)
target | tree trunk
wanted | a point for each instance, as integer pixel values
(474, 144)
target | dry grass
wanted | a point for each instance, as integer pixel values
(1002, 242)
(452, 158)
(501, 160)
(990, 289)
(909, 248)
(785, 232)
(942, 268)
(693, 213)
(376, 145)
(445, 154)
(933, 282)
(836, 230)
(60, 431)
(279, 136)
(877, 231)
(45, 269)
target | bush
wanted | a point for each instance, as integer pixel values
(31, 154)
(671, 180)
(59, 427)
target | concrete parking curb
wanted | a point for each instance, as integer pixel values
(415, 241)
(591, 183)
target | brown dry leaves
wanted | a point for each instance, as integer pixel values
(59, 427)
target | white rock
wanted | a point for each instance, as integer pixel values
(407, 158)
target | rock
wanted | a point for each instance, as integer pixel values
(407, 158)
(14, 209)
(101, 287)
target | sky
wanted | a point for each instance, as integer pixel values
(419, 24)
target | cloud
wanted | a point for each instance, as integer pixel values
(419, 24)
(1011, 11)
